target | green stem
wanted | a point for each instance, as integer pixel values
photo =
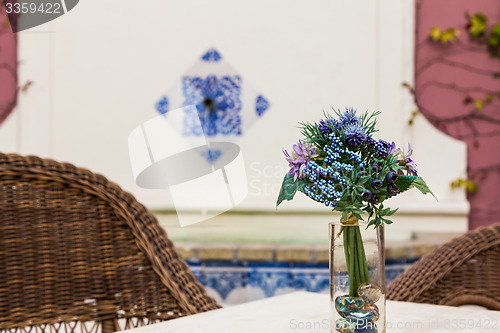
(353, 289)
(358, 265)
(346, 253)
(364, 265)
(348, 256)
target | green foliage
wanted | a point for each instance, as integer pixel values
(470, 186)
(404, 182)
(477, 25)
(478, 104)
(479, 32)
(447, 36)
(369, 121)
(435, 34)
(312, 134)
(351, 202)
(407, 182)
(420, 185)
(494, 39)
(289, 188)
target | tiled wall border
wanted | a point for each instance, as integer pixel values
(200, 252)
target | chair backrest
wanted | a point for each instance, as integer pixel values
(466, 270)
(77, 253)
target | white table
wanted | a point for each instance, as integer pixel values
(309, 312)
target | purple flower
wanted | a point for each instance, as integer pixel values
(326, 126)
(300, 157)
(349, 117)
(393, 149)
(380, 148)
(406, 161)
(354, 135)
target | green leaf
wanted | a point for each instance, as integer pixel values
(289, 188)
(449, 35)
(364, 179)
(357, 210)
(420, 184)
(478, 104)
(353, 196)
(405, 182)
(391, 212)
(358, 216)
(477, 25)
(494, 39)
(387, 221)
(435, 33)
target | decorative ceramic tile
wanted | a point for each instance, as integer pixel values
(234, 283)
(225, 104)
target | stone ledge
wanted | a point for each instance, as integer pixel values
(257, 252)
(294, 253)
(290, 253)
(223, 252)
(322, 253)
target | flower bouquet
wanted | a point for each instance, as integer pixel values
(340, 164)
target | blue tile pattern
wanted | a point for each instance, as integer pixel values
(211, 56)
(274, 278)
(217, 100)
(162, 105)
(261, 105)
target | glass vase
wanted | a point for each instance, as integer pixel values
(357, 278)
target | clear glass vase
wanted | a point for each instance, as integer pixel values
(357, 278)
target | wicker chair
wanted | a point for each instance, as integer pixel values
(78, 254)
(466, 270)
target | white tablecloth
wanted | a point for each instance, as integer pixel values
(310, 312)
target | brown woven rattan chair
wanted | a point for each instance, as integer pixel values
(78, 254)
(466, 270)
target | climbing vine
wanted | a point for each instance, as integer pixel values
(482, 37)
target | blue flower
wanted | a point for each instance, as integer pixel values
(349, 118)
(326, 126)
(354, 135)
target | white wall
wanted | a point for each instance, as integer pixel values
(98, 70)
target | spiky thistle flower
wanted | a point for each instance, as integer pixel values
(354, 135)
(349, 117)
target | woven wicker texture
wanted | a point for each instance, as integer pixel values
(78, 254)
(466, 270)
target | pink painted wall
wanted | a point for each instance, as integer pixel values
(444, 75)
(8, 66)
